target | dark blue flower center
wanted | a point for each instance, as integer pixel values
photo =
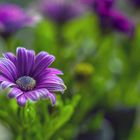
(26, 83)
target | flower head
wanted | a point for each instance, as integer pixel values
(12, 18)
(98, 5)
(117, 21)
(109, 18)
(29, 77)
(60, 11)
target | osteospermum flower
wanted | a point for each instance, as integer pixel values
(117, 21)
(29, 77)
(109, 18)
(98, 4)
(60, 11)
(12, 18)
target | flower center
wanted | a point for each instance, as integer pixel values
(26, 83)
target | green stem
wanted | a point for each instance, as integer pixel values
(23, 126)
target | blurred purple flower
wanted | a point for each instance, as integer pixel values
(29, 76)
(110, 18)
(60, 11)
(98, 4)
(116, 21)
(12, 18)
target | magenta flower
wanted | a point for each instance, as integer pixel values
(29, 76)
(60, 11)
(109, 18)
(12, 18)
(97, 5)
(117, 21)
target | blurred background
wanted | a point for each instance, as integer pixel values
(97, 46)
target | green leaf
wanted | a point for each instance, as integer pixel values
(57, 122)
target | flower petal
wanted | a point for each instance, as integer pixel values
(30, 61)
(21, 60)
(6, 84)
(31, 95)
(52, 86)
(14, 92)
(52, 98)
(54, 71)
(22, 100)
(2, 78)
(42, 61)
(42, 93)
(10, 56)
(25, 61)
(8, 69)
(50, 79)
(49, 71)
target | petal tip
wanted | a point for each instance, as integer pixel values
(21, 100)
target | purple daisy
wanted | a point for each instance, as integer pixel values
(116, 21)
(12, 18)
(60, 11)
(97, 5)
(29, 77)
(109, 18)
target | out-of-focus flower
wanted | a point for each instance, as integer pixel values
(60, 11)
(98, 4)
(29, 76)
(109, 18)
(12, 18)
(117, 21)
(84, 71)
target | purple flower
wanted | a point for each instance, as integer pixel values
(98, 5)
(116, 21)
(12, 18)
(109, 18)
(60, 11)
(29, 76)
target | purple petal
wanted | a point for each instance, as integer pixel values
(48, 72)
(52, 86)
(42, 93)
(55, 71)
(50, 79)
(2, 78)
(8, 69)
(40, 56)
(10, 56)
(10, 66)
(21, 60)
(37, 93)
(30, 61)
(14, 92)
(42, 61)
(52, 98)
(25, 61)
(22, 100)
(31, 95)
(6, 84)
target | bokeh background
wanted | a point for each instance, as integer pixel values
(97, 46)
